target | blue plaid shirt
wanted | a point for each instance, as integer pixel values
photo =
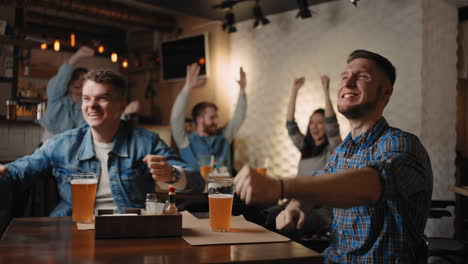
(389, 230)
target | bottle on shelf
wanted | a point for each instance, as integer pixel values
(170, 208)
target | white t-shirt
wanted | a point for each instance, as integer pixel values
(104, 198)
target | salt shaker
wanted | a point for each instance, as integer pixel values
(151, 204)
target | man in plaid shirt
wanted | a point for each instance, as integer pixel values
(379, 180)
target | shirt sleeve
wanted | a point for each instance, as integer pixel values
(403, 172)
(190, 179)
(178, 120)
(239, 115)
(57, 85)
(295, 134)
(332, 129)
(25, 171)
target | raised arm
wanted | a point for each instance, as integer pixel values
(298, 83)
(293, 130)
(239, 114)
(180, 105)
(82, 52)
(57, 86)
(332, 128)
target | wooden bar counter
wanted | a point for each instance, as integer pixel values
(56, 240)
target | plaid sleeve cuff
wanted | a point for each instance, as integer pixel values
(388, 185)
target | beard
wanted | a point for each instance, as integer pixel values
(358, 111)
(210, 129)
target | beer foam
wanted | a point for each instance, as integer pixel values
(84, 181)
(221, 195)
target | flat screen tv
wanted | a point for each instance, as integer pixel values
(177, 54)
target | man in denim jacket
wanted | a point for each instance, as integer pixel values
(129, 161)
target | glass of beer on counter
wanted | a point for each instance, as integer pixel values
(220, 197)
(84, 186)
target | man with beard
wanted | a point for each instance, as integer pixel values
(206, 139)
(379, 180)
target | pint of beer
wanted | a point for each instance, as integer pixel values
(261, 165)
(220, 197)
(84, 187)
(204, 171)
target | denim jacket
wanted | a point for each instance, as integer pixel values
(73, 151)
(61, 114)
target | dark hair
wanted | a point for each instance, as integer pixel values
(76, 73)
(199, 108)
(383, 63)
(108, 77)
(309, 149)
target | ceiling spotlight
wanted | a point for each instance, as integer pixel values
(226, 4)
(304, 11)
(229, 22)
(260, 19)
(354, 2)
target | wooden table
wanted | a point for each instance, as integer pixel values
(56, 240)
(463, 190)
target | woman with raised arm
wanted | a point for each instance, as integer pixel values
(322, 137)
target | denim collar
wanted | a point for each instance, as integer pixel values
(119, 144)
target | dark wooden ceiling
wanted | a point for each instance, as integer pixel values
(242, 10)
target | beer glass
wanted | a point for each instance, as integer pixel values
(11, 109)
(84, 186)
(220, 197)
(261, 165)
(204, 161)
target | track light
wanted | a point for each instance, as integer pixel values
(354, 2)
(226, 4)
(304, 11)
(229, 22)
(260, 19)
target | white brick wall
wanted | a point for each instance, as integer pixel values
(288, 47)
(439, 80)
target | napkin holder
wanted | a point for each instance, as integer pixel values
(108, 225)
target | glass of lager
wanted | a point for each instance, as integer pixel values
(220, 196)
(84, 187)
(261, 166)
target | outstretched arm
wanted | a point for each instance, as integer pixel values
(180, 105)
(239, 114)
(330, 189)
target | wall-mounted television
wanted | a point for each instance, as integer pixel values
(177, 54)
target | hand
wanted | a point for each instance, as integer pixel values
(325, 80)
(298, 83)
(242, 80)
(255, 188)
(132, 108)
(3, 169)
(159, 168)
(82, 52)
(191, 79)
(292, 217)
